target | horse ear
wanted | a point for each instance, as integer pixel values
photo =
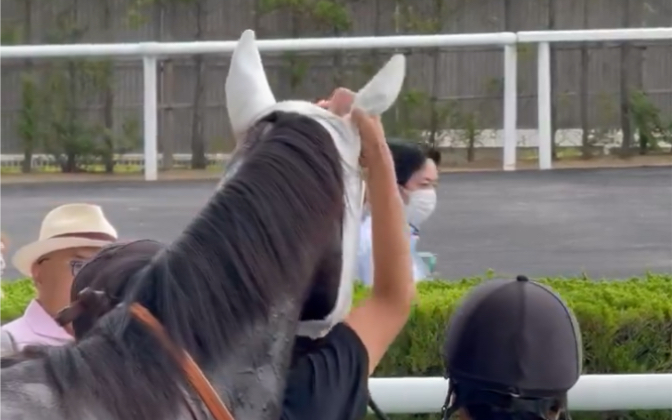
(382, 90)
(248, 92)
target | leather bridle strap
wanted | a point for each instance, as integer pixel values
(193, 373)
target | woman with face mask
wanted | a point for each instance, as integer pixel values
(417, 177)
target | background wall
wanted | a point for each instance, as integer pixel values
(57, 106)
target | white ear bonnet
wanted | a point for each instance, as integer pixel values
(249, 98)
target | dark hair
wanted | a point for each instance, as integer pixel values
(483, 404)
(408, 158)
(435, 155)
(486, 412)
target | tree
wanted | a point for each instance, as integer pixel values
(28, 121)
(431, 22)
(166, 14)
(198, 160)
(626, 53)
(552, 5)
(57, 96)
(331, 16)
(106, 74)
(68, 87)
(583, 94)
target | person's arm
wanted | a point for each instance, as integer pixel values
(380, 318)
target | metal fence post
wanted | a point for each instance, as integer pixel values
(150, 110)
(510, 106)
(544, 105)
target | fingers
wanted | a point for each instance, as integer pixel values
(341, 101)
(369, 125)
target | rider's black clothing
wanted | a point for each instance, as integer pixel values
(328, 378)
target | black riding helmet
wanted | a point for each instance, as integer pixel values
(512, 351)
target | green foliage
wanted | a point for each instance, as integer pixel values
(329, 13)
(626, 326)
(28, 121)
(606, 112)
(649, 123)
(15, 298)
(10, 34)
(332, 16)
(417, 112)
(410, 19)
(298, 68)
(469, 124)
(137, 10)
(421, 116)
(332, 13)
(69, 86)
(56, 98)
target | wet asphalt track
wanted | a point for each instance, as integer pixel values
(611, 223)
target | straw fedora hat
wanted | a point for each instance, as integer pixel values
(67, 226)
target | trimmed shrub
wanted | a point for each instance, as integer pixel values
(626, 327)
(15, 298)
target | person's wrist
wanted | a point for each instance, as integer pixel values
(377, 151)
(380, 167)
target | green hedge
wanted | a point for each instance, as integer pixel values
(626, 326)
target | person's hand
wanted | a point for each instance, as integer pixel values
(372, 134)
(370, 128)
(340, 102)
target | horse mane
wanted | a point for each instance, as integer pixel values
(257, 240)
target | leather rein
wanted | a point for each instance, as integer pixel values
(88, 298)
(193, 373)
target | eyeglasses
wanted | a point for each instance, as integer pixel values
(76, 266)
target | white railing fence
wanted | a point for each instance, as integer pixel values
(591, 393)
(151, 51)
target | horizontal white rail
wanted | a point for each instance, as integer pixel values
(591, 393)
(149, 52)
(274, 45)
(597, 35)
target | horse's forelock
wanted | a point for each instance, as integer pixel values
(325, 280)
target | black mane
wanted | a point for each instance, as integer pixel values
(258, 240)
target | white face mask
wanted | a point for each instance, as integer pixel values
(421, 205)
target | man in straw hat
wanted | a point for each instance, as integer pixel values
(70, 234)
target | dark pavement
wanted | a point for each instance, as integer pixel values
(611, 223)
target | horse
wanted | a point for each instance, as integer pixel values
(269, 256)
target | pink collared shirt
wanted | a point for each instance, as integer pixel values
(36, 326)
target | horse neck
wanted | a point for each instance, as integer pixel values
(256, 327)
(252, 378)
(249, 258)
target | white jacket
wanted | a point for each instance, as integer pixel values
(365, 255)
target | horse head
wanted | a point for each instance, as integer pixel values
(249, 99)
